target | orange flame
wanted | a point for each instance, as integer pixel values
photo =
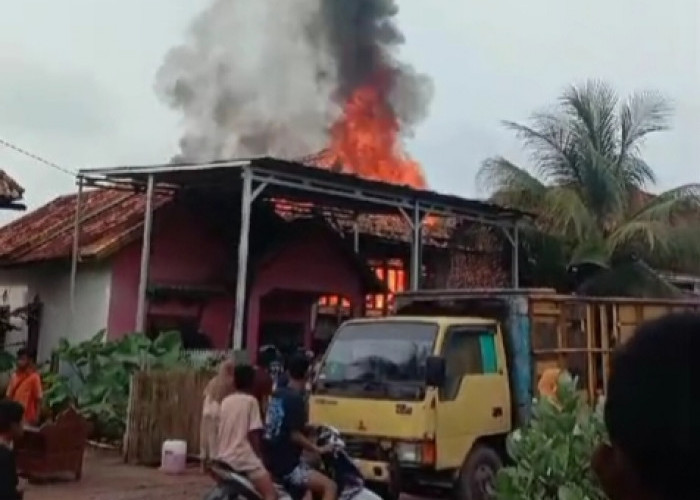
(365, 140)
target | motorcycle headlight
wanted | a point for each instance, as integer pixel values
(409, 453)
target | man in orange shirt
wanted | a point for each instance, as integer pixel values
(548, 384)
(25, 387)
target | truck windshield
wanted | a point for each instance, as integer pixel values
(384, 359)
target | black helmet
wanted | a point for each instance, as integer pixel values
(268, 354)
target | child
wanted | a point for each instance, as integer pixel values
(11, 414)
(240, 429)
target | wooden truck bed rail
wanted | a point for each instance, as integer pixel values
(584, 331)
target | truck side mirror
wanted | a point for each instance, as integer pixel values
(435, 371)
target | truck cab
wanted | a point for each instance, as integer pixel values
(423, 402)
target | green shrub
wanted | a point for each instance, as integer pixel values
(99, 372)
(552, 454)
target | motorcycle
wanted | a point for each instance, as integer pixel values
(234, 485)
(336, 463)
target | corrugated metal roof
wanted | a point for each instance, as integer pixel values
(315, 184)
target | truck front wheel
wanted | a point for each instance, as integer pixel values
(477, 476)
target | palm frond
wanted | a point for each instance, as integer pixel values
(634, 172)
(592, 109)
(604, 192)
(566, 214)
(652, 236)
(672, 205)
(682, 249)
(509, 184)
(641, 114)
(551, 147)
(663, 225)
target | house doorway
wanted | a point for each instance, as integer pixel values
(287, 336)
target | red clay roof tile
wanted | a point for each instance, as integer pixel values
(114, 218)
(111, 218)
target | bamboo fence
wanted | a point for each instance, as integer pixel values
(163, 405)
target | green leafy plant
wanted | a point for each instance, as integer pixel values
(98, 375)
(7, 361)
(552, 454)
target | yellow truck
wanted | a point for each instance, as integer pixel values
(425, 398)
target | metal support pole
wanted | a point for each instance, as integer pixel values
(416, 248)
(243, 241)
(515, 266)
(76, 249)
(145, 257)
(356, 235)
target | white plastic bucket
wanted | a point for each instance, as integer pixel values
(173, 458)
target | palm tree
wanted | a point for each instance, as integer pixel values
(587, 182)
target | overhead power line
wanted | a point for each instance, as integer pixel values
(26, 153)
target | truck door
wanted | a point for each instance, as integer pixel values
(475, 399)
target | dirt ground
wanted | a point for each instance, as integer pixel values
(106, 477)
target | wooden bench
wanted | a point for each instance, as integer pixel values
(55, 448)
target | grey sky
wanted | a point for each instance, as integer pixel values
(77, 77)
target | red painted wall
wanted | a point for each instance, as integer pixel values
(183, 252)
(311, 263)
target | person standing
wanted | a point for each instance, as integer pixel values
(25, 387)
(216, 390)
(11, 414)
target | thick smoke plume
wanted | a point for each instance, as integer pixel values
(270, 77)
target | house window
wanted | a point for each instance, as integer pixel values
(467, 351)
(391, 272)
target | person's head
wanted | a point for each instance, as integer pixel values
(298, 368)
(245, 378)
(223, 383)
(267, 355)
(11, 413)
(652, 414)
(25, 359)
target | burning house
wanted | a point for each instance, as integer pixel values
(241, 253)
(244, 252)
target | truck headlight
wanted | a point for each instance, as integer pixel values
(422, 452)
(409, 453)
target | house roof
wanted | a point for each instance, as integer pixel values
(10, 192)
(114, 218)
(111, 219)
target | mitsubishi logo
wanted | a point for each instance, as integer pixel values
(361, 426)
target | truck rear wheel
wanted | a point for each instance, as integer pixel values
(477, 476)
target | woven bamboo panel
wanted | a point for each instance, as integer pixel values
(163, 405)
